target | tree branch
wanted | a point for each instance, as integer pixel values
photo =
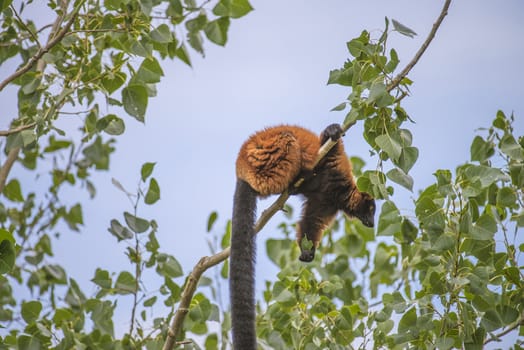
(12, 156)
(16, 130)
(50, 44)
(396, 81)
(511, 328)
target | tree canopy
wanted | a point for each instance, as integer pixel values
(448, 274)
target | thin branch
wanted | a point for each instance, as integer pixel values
(12, 156)
(50, 44)
(16, 130)
(396, 81)
(22, 23)
(511, 328)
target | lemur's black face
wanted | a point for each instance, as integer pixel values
(366, 210)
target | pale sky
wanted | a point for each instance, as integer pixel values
(274, 70)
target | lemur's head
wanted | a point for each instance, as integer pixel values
(364, 209)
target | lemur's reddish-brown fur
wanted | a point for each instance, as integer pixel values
(269, 162)
(273, 158)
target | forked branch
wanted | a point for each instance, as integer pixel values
(50, 44)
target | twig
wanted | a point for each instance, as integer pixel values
(50, 44)
(396, 81)
(517, 324)
(16, 130)
(22, 23)
(6, 167)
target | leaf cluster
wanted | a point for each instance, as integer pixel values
(374, 99)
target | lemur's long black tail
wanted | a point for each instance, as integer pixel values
(242, 267)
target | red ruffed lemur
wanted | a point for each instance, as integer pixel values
(270, 162)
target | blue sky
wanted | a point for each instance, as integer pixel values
(274, 70)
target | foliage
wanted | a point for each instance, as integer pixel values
(91, 54)
(447, 278)
(447, 275)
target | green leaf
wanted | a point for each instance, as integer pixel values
(5, 4)
(408, 321)
(389, 220)
(153, 192)
(13, 191)
(168, 266)
(196, 24)
(6, 235)
(407, 159)
(491, 321)
(26, 342)
(409, 230)
(183, 55)
(101, 315)
(31, 310)
(142, 48)
(373, 182)
(119, 231)
(389, 145)
(379, 95)
(149, 72)
(147, 170)
(506, 197)
(136, 224)
(278, 251)
(113, 81)
(134, 98)
(508, 314)
(102, 278)
(211, 220)
(393, 62)
(195, 41)
(232, 8)
(486, 175)
(395, 301)
(342, 77)
(161, 34)
(398, 176)
(74, 296)
(511, 148)
(481, 150)
(339, 107)
(431, 216)
(7, 253)
(216, 31)
(212, 341)
(111, 124)
(444, 343)
(484, 228)
(402, 29)
(56, 145)
(150, 302)
(74, 217)
(443, 243)
(125, 283)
